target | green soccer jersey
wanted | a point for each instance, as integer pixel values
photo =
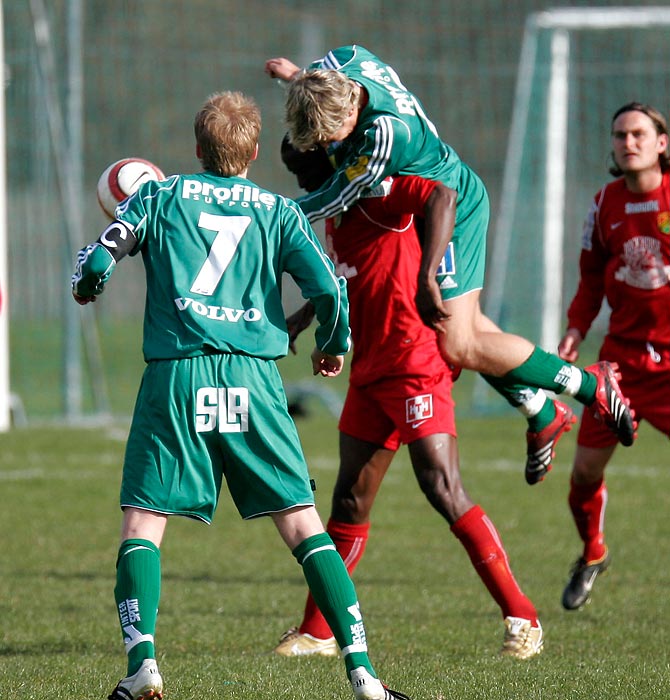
(214, 250)
(393, 136)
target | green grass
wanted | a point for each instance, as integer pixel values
(231, 589)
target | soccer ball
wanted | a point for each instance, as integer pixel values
(123, 178)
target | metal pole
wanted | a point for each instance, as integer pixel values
(4, 281)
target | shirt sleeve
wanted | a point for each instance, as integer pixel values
(96, 262)
(364, 166)
(305, 260)
(588, 299)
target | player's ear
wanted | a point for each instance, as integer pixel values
(255, 155)
(198, 151)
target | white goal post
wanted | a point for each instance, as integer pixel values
(5, 396)
(550, 87)
(562, 22)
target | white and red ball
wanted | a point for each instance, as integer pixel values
(123, 178)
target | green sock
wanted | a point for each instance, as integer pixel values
(137, 593)
(533, 403)
(542, 418)
(334, 593)
(547, 371)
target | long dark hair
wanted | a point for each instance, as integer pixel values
(660, 124)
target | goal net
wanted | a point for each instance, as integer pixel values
(577, 67)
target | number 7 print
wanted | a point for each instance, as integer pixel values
(229, 231)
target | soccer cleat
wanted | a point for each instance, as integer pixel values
(294, 643)
(522, 640)
(582, 577)
(366, 687)
(610, 405)
(542, 446)
(146, 684)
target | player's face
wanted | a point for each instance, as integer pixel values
(636, 143)
(348, 125)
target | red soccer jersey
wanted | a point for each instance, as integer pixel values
(376, 247)
(626, 258)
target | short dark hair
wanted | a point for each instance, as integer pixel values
(660, 124)
(312, 168)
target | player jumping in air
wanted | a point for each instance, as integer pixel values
(403, 399)
(356, 105)
(211, 404)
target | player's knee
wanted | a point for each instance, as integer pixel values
(351, 509)
(457, 349)
(441, 492)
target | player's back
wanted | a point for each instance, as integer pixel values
(376, 247)
(214, 250)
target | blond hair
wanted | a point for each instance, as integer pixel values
(317, 103)
(226, 128)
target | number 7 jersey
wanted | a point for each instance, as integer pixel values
(214, 250)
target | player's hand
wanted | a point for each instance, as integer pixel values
(429, 304)
(297, 322)
(82, 300)
(326, 365)
(568, 348)
(281, 68)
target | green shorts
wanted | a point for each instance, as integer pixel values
(201, 419)
(463, 266)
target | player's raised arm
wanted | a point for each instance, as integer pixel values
(281, 68)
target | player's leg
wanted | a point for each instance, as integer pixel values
(436, 465)
(156, 426)
(547, 418)
(334, 592)
(266, 473)
(588, 500)
(512, 364)
(470, 340)
(137, 594)
(484, 347)
(362, 468)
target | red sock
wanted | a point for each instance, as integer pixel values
(482, 542)
(587, 503)
(350, 541)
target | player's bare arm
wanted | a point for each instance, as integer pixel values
(281, 68)
(297, 322)
(440, 218)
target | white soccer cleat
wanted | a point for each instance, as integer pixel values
(522, 640)
(366, 687)
(294, 643)
(146, 684)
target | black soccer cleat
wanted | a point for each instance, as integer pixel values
(582, 577)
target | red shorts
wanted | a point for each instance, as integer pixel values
(645, 380)
(399, 410)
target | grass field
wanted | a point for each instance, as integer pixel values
(231, 589)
